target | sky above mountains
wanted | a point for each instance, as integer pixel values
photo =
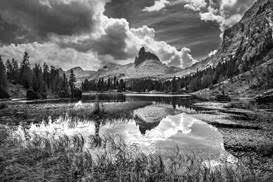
(90, 33)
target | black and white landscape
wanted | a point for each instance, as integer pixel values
(136, 90)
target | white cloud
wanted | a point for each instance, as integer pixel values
(158, 5)
(212, 53)
(195, 5)
(52, 54)
(228, 3)
(221, 15)
(109, 40)
(183, 59)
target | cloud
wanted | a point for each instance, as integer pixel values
(52, 54)
(195, 5)
(158, 5)
(223, 12)
(228, 3)
(212, 53)
(44, 17)
(184, 59)
(77, 32)
(220, 16)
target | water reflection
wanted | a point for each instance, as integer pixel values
(163, 137)
(156, 124)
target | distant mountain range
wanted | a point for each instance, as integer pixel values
(146, 64)
(251, 39)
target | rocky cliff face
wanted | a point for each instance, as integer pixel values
(143, 56)
(247, 42)
(251, 38)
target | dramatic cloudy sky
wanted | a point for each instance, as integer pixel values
(90, 33)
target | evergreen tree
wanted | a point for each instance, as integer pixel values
(25, 72)
(46, 76)
(72, 80)
(15, 71)
(121, 86)
(174, 85)
(64, 91)
(38, 82)
(3, 76)
(9, 70)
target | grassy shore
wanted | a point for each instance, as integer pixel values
(30, 156)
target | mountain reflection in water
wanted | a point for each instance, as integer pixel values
(164, 136)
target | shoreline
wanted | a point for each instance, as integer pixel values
(247, 133)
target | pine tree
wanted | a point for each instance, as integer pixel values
(9, 70)
(15, 71)
(46, 77)
(72, 80)
(25, 72)
(64, 91)
(38, 82)
(3, 76)
(174, 85)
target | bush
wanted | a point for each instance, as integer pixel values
(31, 95)
(4, 94)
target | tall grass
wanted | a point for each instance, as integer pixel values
(26, 155)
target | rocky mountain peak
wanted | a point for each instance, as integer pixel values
(143, 56)
(249, 38)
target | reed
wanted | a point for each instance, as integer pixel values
(26, 156)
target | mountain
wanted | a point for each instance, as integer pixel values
(143, 56)
(146, 64)
(80, 74)
(249, 42)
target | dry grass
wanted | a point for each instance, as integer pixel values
(33, 157)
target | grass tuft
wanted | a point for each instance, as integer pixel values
(29, 156)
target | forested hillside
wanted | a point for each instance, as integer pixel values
(39, 81)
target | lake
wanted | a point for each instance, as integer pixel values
(154, 124)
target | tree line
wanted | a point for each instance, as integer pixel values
(104, 85)
(189, 83)
(39, 81)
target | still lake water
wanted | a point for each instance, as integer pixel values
(163, 125)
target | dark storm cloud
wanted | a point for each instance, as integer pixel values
(112, 42)
(41, 19)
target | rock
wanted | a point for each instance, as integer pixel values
(143, 56)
